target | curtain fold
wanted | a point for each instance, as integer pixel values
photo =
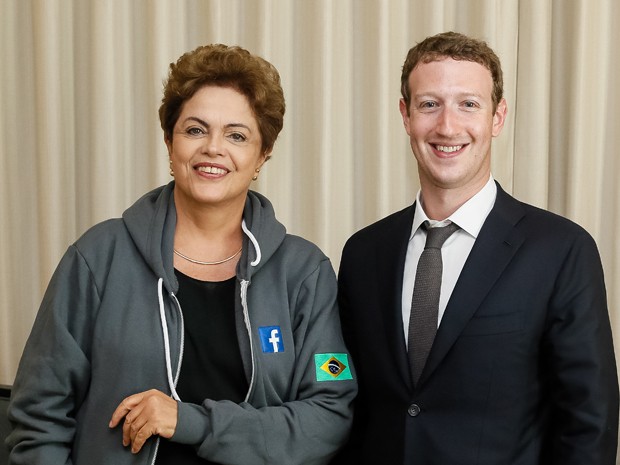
(81, 82)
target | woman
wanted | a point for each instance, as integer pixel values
(194, 329)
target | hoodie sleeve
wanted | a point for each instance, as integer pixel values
(309, 428)
(54, 370)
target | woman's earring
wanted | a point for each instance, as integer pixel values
(171, 170)
(255, 177)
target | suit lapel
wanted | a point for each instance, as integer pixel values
(390, 265)
(493, 250)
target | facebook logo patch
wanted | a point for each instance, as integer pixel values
(271, 339)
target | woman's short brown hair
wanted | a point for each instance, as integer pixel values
(458, 47)
(226, 66)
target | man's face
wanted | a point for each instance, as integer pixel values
(451, 122)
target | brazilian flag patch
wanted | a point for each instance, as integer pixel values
(332, 367)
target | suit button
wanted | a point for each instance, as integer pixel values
(413, 410)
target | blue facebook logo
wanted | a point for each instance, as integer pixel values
(271, 339)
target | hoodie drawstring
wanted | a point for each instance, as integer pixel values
(248, 326)
(172, 381)
(254, 243)
(244, 302)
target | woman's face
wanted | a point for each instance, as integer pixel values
(215, 149)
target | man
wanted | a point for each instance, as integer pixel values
(521, 370)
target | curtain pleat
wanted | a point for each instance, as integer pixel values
(81, 82)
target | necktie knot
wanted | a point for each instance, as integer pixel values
(435, 237)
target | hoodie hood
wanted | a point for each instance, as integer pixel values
(151, 222)
(156, 210)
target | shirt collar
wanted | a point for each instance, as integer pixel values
(470, 216)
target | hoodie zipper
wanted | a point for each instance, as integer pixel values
(172, 382)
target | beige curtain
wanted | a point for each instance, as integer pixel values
(80, 84)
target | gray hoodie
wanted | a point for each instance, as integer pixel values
(110, 326)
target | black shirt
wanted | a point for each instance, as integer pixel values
(212, 367)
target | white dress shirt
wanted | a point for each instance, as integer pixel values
(470, 218)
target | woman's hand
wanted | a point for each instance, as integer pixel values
(146, 414)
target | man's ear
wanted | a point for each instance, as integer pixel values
(499, 118)
(404, 112)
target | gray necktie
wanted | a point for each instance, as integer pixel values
(425, 301)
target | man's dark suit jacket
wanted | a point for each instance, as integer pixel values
(522, 370)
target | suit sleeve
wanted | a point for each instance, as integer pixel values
(306, 429)
(54, 370)
(579, 353)
(350, 454)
